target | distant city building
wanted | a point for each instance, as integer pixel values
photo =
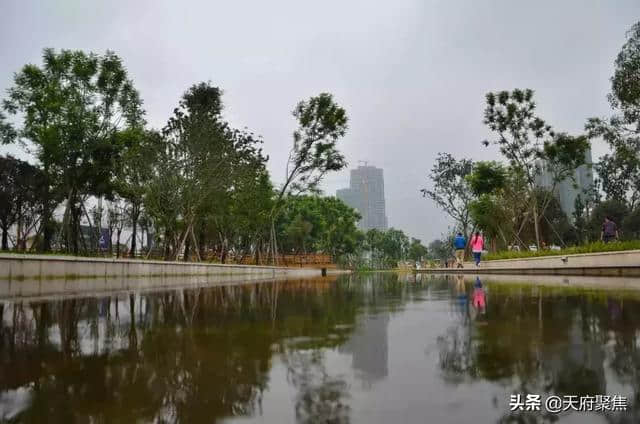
(568, 189)
(366, 195)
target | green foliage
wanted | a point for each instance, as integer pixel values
(519, 131)
(139, 151)
(451, 190)
(488, 214)
(564, 153)
(441, 250)
(594, 247)
(73, 106)
(211, 168)
(321, 124)
(619, 170)
(625, 85)
(21, 185)
(487, 178)
(527, 142)
(310, 224)
(500, 208)
(631, 225)
(8, 134)
(417, 251)
(616, 210)
(579, 220)
(386, 247)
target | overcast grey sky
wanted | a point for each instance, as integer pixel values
(412, 74)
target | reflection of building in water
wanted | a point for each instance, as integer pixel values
(580, 368)
(369, 348)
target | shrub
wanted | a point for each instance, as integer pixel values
(585, 248)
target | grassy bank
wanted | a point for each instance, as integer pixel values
(585, 248)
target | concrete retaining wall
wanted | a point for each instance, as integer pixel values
(26, 267)
(35, 290)
(605, 263)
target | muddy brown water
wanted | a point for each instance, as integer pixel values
(370, 348)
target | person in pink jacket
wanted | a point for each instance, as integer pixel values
(477, 245)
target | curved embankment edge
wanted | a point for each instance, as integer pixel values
(623, 263)
(49, 267)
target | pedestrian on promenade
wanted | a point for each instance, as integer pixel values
(609, 230)
(460, 243)
(477, 245)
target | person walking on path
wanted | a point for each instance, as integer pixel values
(459, 243)
(477, 245)
(609, 230)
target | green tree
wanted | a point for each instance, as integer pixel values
(72, 107)
(321, 124)
(530, 145)
(500, 202)
(617, 210)
(139, 151)
(631, 225)
(319, 224)
(20, 187)
(451, 191)
(487, 177)
(417, 251)
(341, 235)
(580, 220)
(440, 250)
(387, 247)
(162, 200)
(247, 210)
(8, 134)
(619, 171)
(207, 155)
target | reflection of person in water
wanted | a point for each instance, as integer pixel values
(461, 296)
(460, 285)
(615, 311)
(479, 299)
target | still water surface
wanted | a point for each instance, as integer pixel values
(374, 348)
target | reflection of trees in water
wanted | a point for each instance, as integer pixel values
(321, 398)
(549, 344)
(177, 356)
(189, 355)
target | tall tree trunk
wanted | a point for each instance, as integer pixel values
(183, 240)
(19, 230)
(135, 213)
(110, 241)
(187, 249)
(166, 244)
(202, 238)
(73, 227)
(196, 248)
(75, 230)
(5, 237)
(223, 254)
(47, 221)
(536, 224)
(118, 233)
(274, 243)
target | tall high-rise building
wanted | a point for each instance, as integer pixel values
(568, 189)
(366, 195)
